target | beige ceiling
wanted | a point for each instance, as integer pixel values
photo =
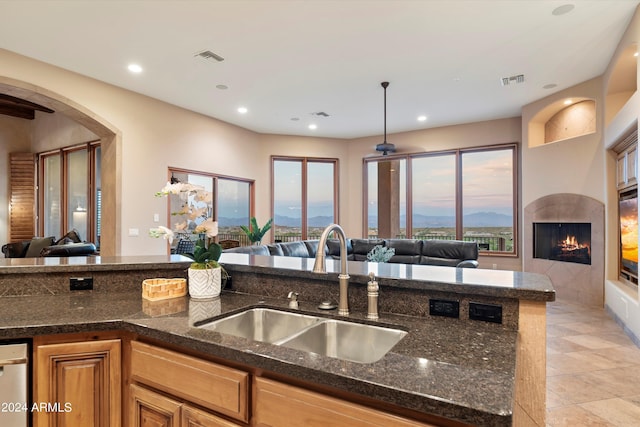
(292, 59)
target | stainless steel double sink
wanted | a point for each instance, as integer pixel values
(341, 339)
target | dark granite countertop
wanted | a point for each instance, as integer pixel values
(441, 367)
(438, 368)
(470, 281)
(10, 266)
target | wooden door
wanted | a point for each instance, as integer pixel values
(78, 384)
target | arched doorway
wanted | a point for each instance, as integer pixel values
(110, 140)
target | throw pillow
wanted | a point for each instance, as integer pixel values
(73, 235)
(37, 245)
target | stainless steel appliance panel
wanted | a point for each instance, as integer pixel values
(14, 408)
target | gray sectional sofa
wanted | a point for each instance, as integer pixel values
(451, 253)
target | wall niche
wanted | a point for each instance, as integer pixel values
(566, 118)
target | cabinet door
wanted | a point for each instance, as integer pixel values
(632, 165)
(210, 385)
(192, 417)
(621, 170)
(149, 409)
(80, 384)
(282, 405)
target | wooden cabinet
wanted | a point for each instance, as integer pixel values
(149, 409)
(190, 381)
(281, 405)
(79, 383)
(627, 166)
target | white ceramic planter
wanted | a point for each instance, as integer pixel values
(205, 283)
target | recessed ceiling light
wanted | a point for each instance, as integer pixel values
(134, 68)
(242, 110)
(222, 87)
(422, 118)
(568, 102)
(562, 10)
(313, 126)
(635, 54)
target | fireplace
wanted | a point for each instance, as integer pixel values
(562, 241)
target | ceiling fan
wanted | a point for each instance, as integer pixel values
(385, 147)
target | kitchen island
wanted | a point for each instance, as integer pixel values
(456, 369)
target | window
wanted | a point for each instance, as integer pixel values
(232, 201)
(304, 197)
(466, 194)
(627, 185)
(69, 191)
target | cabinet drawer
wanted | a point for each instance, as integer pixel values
(282, 405)
(208, 384)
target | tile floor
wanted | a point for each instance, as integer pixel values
(593, 369)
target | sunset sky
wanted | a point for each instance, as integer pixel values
(629, 229)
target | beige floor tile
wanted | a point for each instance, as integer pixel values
(576, 362)
(593, 369)
(592, 342)
(622, 382)
(574, 416)
(554, 400)
(563, 345)
(578, 389)
(618, 412)
(626, 355)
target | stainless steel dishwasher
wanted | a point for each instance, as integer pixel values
(14, 409)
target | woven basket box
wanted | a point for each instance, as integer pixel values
(159, 289)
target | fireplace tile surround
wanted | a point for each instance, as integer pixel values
(581, 283)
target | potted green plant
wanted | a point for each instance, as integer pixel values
(254, 232)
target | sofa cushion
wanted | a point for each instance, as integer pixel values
(72, 249)
(407, 251)
(361, 247)
(333, 247)
(447, 252)
(37, 244)
(73, 236)
(447, 262)
(16, 249)
(312, 247)
(297, 249)
(275, 249)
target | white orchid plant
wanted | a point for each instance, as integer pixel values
(193, 219)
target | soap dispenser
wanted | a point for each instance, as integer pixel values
(372, 297)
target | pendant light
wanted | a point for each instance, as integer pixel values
(385, 147)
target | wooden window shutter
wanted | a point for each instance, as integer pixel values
(22, 196)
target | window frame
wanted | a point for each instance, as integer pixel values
(459, 197)
(215, 178)
(304, 194)
(92, 234)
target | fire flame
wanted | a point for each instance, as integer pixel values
(572, 244)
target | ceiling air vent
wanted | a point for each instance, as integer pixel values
(320, 114)
(506, 81)
(207, 54)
